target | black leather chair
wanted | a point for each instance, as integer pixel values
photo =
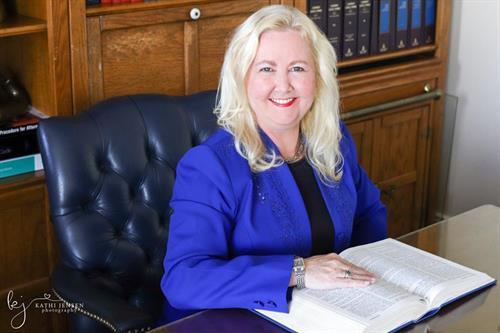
(110, 172)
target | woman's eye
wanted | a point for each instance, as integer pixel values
(297, 69)
(266, 69)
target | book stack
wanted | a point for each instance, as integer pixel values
(19, 151)
(358, 28)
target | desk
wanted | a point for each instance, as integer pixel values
(471, 239)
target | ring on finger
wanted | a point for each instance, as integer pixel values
(347, 274)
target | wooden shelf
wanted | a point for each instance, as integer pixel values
(97, 10)
(23, 180)
(386, 56)
(21, 25)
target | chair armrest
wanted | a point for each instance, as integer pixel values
(98, 303)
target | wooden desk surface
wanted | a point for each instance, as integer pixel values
(471, 239)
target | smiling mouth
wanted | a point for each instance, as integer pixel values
(283, 102)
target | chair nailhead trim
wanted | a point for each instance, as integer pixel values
(88, 314)
(99, 319)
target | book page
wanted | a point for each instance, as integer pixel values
(414, 270)
(361, 304)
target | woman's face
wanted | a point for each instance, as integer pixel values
(281, 81)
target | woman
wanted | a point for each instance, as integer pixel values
(278, 183)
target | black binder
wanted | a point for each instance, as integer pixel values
(349, 43)
(364, 22)
(401, 24)
(374, 27)
(334, 25)
(317, 13)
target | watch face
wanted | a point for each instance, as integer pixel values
(298, 265)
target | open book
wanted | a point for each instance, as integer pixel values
(411, 286)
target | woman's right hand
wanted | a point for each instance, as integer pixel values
(328, 271)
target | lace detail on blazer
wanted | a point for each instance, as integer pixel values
(281, 207)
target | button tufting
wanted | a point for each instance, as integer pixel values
(85, 206)
(101, 166)
(149, 152)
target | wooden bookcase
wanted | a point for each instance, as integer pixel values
(69, 56)
(400, 144)
(34, 46)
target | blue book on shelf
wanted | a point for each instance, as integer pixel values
(386, 31)
(402, 24)
(20, 165)
(430, 21)
(416, 32)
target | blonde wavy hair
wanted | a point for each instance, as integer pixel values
(320, 127)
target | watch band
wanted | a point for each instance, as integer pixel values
(299, 269)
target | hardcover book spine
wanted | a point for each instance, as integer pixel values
(364, 22)
(415, 22)
(17, 130)
(17, 166)
(18, 145)
(430, 21)
(317, 13)
(386, 26)
(402, 24)
(374, 27)
(349, 43)
(334, 23)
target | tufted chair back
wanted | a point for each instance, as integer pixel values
(110, 172)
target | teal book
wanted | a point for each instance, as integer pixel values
(20, 165)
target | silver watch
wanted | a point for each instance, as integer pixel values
(299, 269)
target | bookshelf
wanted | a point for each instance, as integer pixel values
(400, 145)
(34, 47)
(21, 25)
(386, 56)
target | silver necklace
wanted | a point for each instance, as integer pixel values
(299, 153)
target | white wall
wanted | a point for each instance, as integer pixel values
(474, 76)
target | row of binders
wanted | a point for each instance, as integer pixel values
(358, 28)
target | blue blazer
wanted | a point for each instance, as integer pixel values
(233, 233)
